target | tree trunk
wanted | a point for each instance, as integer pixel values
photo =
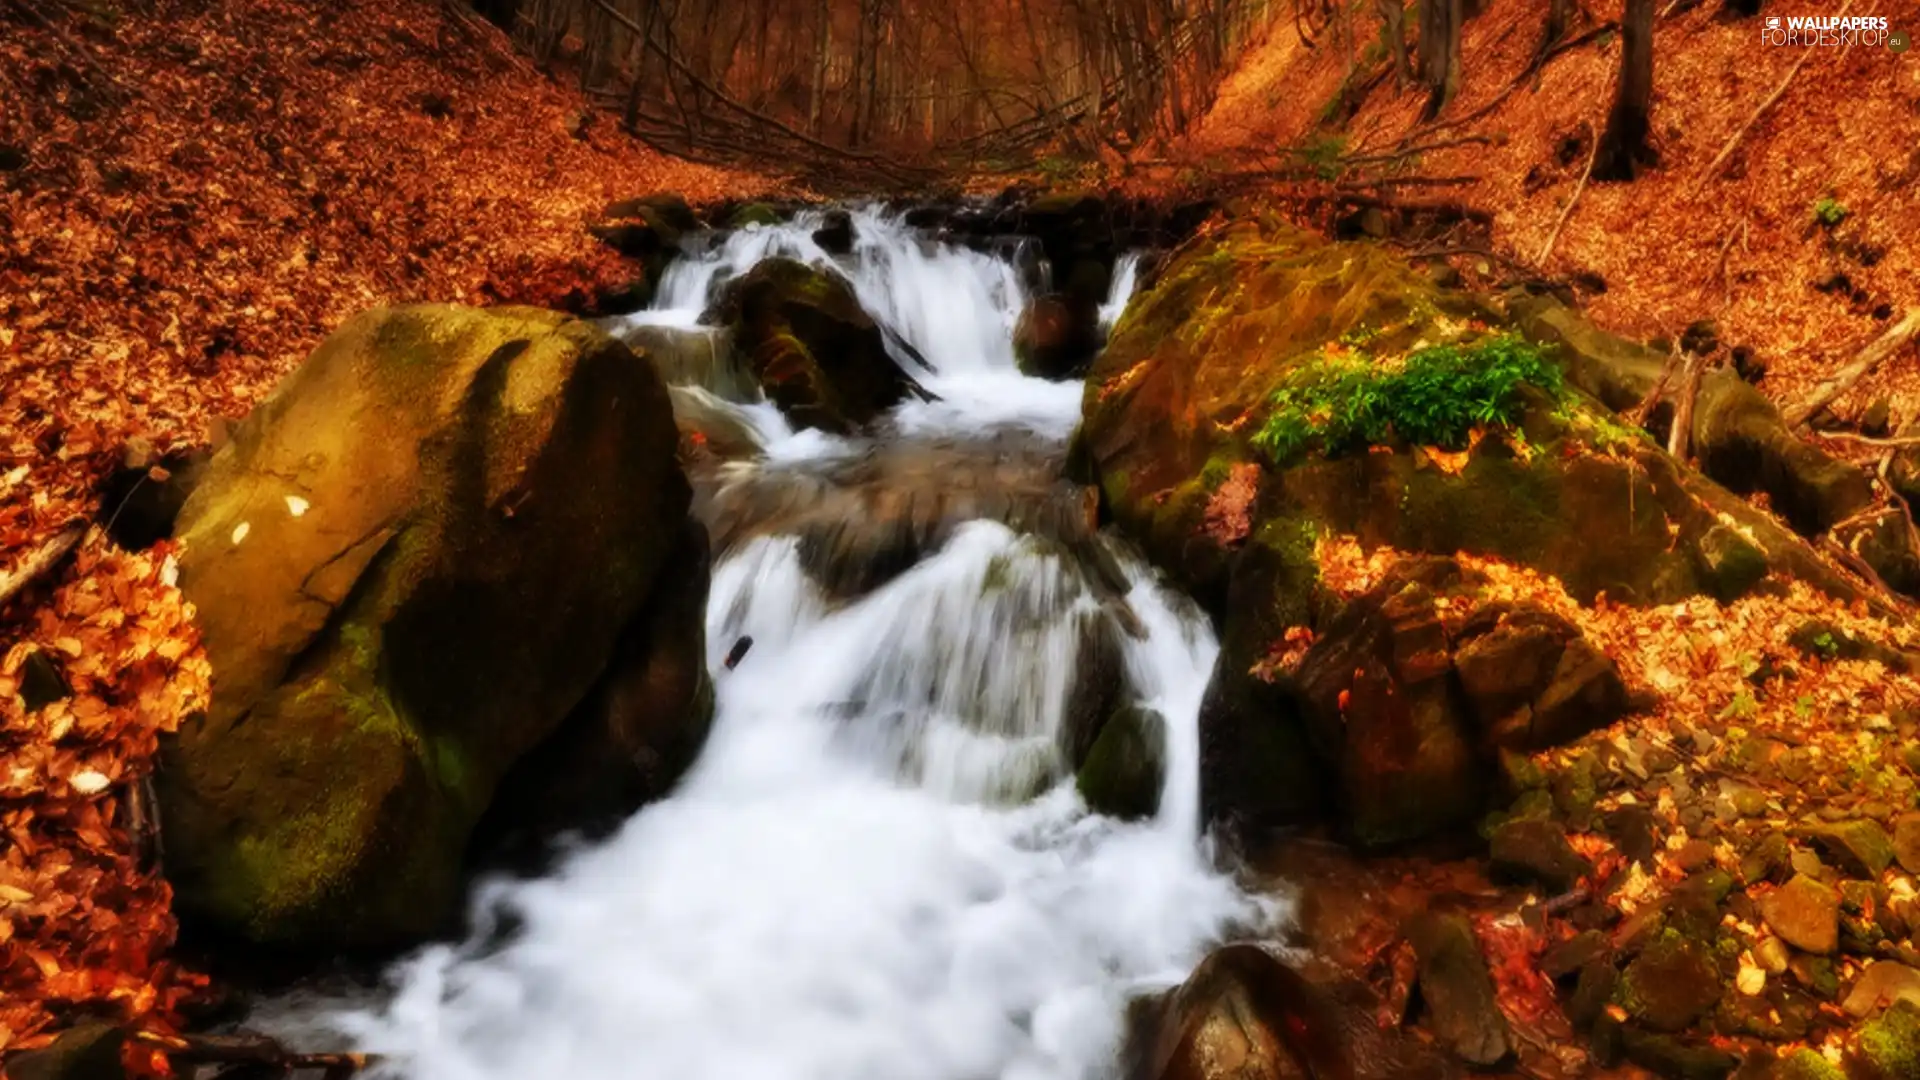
(1440, 52)
(1744, 7)
(1393, 19)
(1624, 146)
(504, 14)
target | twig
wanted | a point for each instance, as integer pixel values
(1566, 211)
(1637, 416)
(1895, 442)
(1870, 357)
(249, 1049)
(1741, 132)
(39, 562)
(1726, 248)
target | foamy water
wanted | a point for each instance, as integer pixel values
(854, 881)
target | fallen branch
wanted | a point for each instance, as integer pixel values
(250, 1049)
(1726, 248)
(1741, 132)
(1637, 416)
(1680, 435)
(1870, 358)
(1566, 211)
(1896, 442)
(39, 562)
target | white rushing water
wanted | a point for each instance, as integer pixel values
(852, 882)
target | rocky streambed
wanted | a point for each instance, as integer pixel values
(989, 643)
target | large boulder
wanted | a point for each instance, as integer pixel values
(1272, 390)
(411, 565)
(815, 351)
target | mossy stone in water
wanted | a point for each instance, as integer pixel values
(1891, 1044)
(753, 214)
(1127, 766)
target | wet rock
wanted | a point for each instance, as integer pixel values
(1882, 983)
(89, 1050)
(141, 500)
(1860, 847)
(1805, 913)
(1890, 1045)
(1674, 1059)
(1057, 336)
(815, 352)
(835, 235)
(1458, 989)
(710, 429)
(408, 571)
(1671, 984)
(1537, 850)
(648, 228)
(1241, 1015)
(1126, 768)
(1700, 338)
(1817, 974)
(703, 358)
(753, 215)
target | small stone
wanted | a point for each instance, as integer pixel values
(1591, 993)
(1883, 983)
(1805, 913)
(1537, 850)
(1772, 955)
(1891, 1044)
(1573, 954)
(1769, 860)
(1817, 974)
(1671, 984)
(41, 683)
(1906, 842)
(1668, 1057)
(1877, 419)
(1693, 855)
(1631, 827)
(1860, 847)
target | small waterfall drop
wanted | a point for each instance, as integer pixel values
(879, 868)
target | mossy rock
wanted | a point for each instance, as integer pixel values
(815, 352)
(1890, 1045)
(756, 214)
(90, 1050)
(1190, 374)
(410, 565)
(1671, 984)
(1805, 1064)
(1127, 767)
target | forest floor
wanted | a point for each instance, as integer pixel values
(1740, 247)
(190, 199)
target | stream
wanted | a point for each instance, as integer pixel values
(879, 868)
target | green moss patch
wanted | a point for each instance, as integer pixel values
(1436, 396)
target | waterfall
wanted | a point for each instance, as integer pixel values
(879, 868)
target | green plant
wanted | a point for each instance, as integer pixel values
(1829, 211)
(1435, 397)
(1323, 154)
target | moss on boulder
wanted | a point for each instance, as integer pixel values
(1127, 766)
(815, 352)
(412, 562)
(1244, 316)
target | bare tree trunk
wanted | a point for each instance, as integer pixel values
(1744, 7)
(1624, 146)
(820, 66)
(1440, 52)
(1393, 18)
